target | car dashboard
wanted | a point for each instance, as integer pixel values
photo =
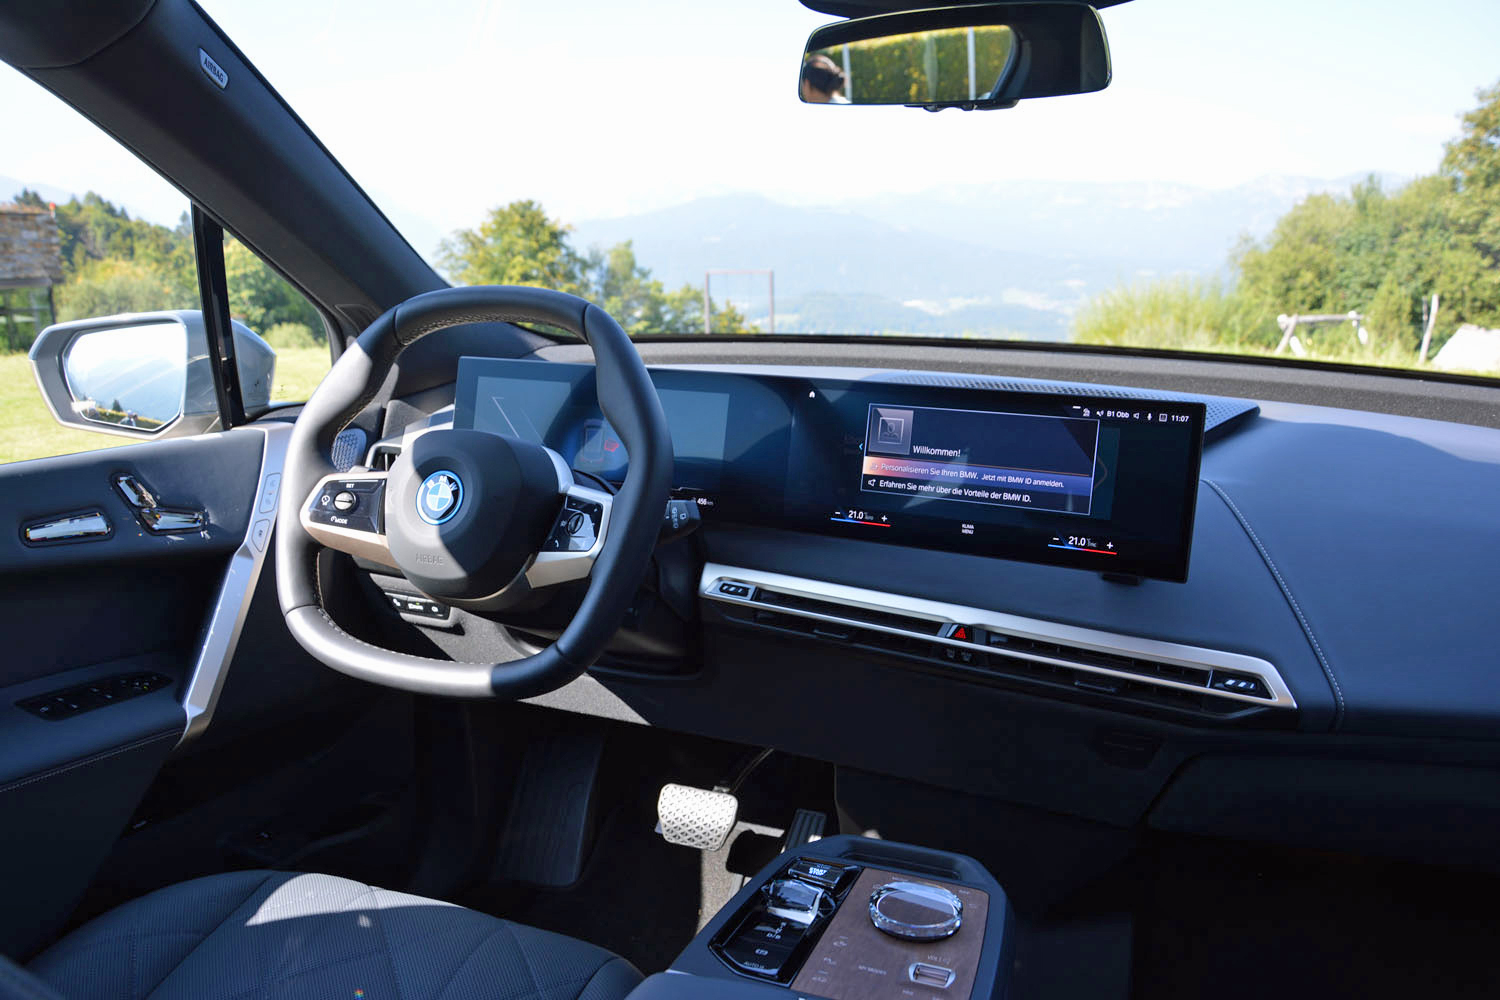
(1329, 617)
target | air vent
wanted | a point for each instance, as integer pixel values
(982, 645)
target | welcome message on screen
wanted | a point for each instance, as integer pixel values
(975, 456)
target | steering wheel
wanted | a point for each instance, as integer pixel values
(473, 519)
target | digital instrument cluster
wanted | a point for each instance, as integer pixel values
(1071, 480)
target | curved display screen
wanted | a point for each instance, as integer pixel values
(1093, 483)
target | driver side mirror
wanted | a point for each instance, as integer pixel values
(146, 375)
(975, 57)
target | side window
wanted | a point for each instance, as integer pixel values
(88, 235)
(77, 256)
(280, 315)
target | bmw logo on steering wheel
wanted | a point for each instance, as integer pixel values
(439, 497)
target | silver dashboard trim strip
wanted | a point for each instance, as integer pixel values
(942, 613)
(221, 633)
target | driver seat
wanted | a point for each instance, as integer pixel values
(270, 934)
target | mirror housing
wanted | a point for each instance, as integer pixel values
(975, 57)
(143, 375)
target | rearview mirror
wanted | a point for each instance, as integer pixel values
(973, 57)
(143, 374)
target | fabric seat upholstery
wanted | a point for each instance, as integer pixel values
(268, 934)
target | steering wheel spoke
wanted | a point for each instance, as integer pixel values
(576, 539)
(347, 513)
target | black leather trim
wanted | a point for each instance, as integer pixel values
(1291, 600)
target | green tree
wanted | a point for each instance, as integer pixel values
(106, 287)
(1296, 270)
(624, 289)
(1471, 163)
(1381, 254)
(113, 263)
(94, 229)
(1389, 316)
(516, 244)
(519, 244)
(683, 313)
(260, 298)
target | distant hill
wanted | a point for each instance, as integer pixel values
(10, 187)
(1006, 258)
(1012, 258)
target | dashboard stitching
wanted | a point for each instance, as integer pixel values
(1286, 590)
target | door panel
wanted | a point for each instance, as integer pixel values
(91, 619)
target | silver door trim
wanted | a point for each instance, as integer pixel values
(221, 632)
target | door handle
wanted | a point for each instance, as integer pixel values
(84, 526)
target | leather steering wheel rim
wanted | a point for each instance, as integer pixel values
(628, 400)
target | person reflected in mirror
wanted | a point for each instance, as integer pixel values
(822, 81)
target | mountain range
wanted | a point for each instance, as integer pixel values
(1013, 258)
(1016, 258)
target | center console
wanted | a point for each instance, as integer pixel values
(852, 918)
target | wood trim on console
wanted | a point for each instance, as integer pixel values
(855, 961)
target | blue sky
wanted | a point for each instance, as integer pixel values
(445, 108)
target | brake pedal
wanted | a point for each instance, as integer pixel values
(699, 818)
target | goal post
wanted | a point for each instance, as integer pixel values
(749, 291)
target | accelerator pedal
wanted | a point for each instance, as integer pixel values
(699, 818)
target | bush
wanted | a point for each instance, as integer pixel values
(291, 337)
(1192, 315)
(107, 287)
(1389, 316)
(1182, 314)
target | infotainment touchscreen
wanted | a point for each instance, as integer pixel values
(1093, 482)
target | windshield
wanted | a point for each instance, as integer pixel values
(1303, 181)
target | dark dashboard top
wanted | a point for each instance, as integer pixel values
(1353, 549)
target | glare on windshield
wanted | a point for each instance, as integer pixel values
(1241, 187)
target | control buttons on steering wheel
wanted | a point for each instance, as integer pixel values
(352, 504)
(577, 526)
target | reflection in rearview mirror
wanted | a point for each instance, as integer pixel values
(944, 66)
(977, 56)
(129, 376)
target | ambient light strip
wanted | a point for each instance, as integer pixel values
(941, 613)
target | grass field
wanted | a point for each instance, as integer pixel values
(27, 430)
(298, 372)
(1198, 315)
